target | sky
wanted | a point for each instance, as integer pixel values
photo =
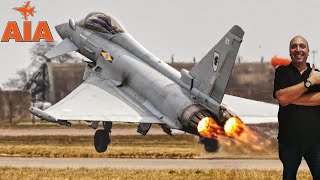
(184, 28)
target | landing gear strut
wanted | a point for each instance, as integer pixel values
(102, 137)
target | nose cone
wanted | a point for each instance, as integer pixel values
(62, 30)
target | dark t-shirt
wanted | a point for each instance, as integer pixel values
(297, 124)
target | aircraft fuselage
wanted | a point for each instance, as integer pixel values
(155, 85)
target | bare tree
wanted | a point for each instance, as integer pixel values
(17, 82)
(41, 48)
(37, 59)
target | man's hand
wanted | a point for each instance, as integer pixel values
(314, 76)
(312, 71)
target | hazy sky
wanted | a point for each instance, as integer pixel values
(185, 28)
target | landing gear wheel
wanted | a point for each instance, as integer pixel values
(101, 140)
(210, 145)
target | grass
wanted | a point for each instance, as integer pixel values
(40, 124)
(84, 173)
(162, 146)
(135, 146)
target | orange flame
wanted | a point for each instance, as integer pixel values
(242, 136)
(207, 127)
(234, 127)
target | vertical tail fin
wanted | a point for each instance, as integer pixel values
(211, 74)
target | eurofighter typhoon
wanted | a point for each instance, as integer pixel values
(124, 82)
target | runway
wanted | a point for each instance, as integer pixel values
(146, 163)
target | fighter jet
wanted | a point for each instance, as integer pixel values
(124, 82)
(26, 10)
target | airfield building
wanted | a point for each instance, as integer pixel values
(53, 81)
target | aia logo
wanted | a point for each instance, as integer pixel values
(26, 10)
(12, 30)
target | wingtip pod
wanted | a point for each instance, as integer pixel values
(45, 116)
(237, 30)
(41, 114)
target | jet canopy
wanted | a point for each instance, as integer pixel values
(102, 23)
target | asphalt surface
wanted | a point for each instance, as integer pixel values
(261, 164)
(146, 163)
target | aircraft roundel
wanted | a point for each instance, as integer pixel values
(215, 61)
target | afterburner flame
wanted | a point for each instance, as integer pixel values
(243, 138)
(207, 127)
(233, 127)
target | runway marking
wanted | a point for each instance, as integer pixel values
(92, 163)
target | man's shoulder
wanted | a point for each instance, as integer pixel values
(282, 68)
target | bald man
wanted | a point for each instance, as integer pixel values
(296, 87)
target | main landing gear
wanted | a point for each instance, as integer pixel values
(102, 137)
(210, 145)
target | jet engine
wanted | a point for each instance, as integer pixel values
(198, 120)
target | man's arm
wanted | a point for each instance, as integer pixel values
(290, 94)
(287, 95)
(312, 99)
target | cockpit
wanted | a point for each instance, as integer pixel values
(102, 23)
